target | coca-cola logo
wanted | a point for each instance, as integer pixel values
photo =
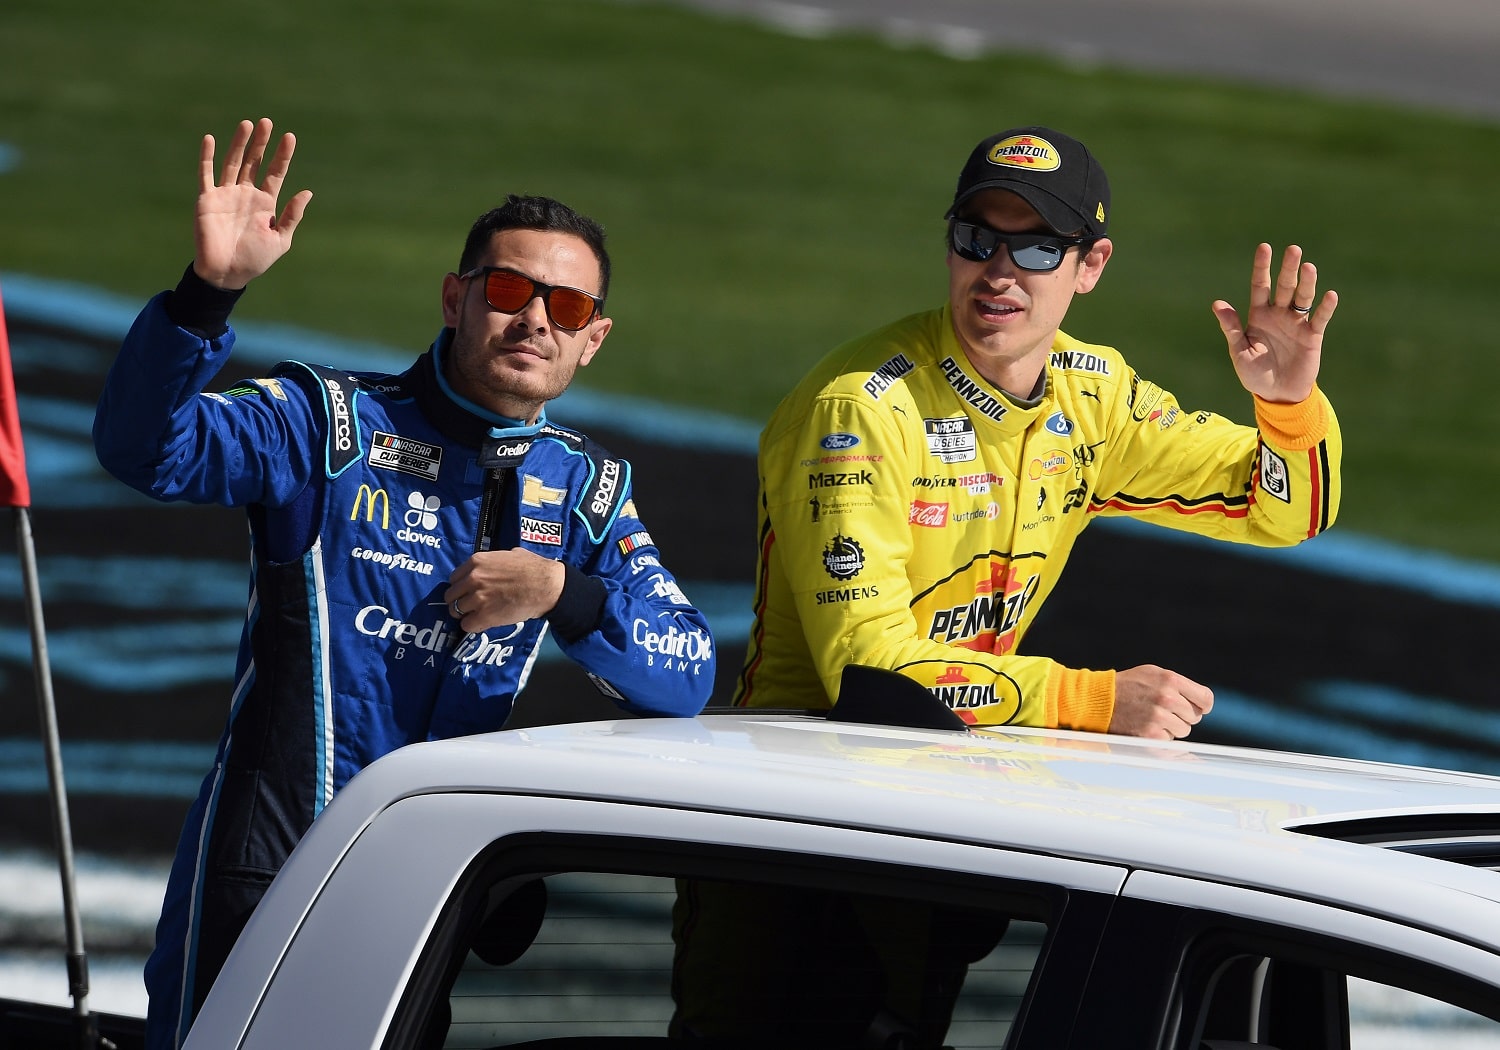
(928, 515)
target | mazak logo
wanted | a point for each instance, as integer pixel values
(927, 515)
(535, 494)
(835, 442)
(604, 494)
(368, 497)
(678, 650)
(836, 478)
(843, 558)
(881, 379)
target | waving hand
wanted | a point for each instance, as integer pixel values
(237, 232)
(1277, 349)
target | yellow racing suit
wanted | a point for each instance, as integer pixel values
(915, 517)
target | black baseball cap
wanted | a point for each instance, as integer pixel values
(1053, 172)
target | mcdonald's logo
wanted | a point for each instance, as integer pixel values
(368, 496)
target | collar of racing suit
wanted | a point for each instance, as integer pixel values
(458, 419)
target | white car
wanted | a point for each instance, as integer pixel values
(1010, 888)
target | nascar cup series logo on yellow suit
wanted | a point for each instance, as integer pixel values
(1025, 151)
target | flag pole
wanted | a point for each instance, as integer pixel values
(15, 492)
(78, 964)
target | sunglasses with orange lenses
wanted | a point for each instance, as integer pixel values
(509, 291)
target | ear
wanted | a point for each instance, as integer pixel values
(597, 331)
(453, 299)
(1091, 266)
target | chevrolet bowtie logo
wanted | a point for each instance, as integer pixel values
(535, 494)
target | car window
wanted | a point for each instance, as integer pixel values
(1385, 1017)
(1274, 990)
(607, 954)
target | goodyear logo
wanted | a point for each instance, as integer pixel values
(1025, 151)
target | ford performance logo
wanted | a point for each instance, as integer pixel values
(834, 442)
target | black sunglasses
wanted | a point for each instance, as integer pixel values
(1036, 252)
(509, 291)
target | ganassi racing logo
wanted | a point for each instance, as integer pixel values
(674, 648)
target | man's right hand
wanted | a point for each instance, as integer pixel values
(1153, 702)
(237, 233)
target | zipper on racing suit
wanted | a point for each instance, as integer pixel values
(498, 457)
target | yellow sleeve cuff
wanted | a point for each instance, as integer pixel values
(1293, 427)
(1080, 699)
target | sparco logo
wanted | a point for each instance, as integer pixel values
(609, 480)
(343, 437)
(843, 558)
(881, 379)
(685, 647)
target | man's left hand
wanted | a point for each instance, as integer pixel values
(500, 587)
(1276, 352)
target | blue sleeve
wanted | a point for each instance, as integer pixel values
(159, 433)
(652, 652)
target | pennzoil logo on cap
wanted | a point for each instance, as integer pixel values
(1025, 151)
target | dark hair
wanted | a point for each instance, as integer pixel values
(536, 213)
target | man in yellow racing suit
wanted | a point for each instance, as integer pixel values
(922, 487)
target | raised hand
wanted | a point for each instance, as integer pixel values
(1277, 350)
(237, 233)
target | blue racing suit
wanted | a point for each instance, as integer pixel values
(364, 492)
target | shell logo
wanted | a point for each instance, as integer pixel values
(1054, 462)
(1025, 151)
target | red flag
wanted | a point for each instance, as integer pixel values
(15, 490)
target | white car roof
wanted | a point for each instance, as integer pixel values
(1220, 813)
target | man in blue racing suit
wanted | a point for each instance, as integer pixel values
(414, 536)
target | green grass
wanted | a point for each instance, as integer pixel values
(767, 197)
